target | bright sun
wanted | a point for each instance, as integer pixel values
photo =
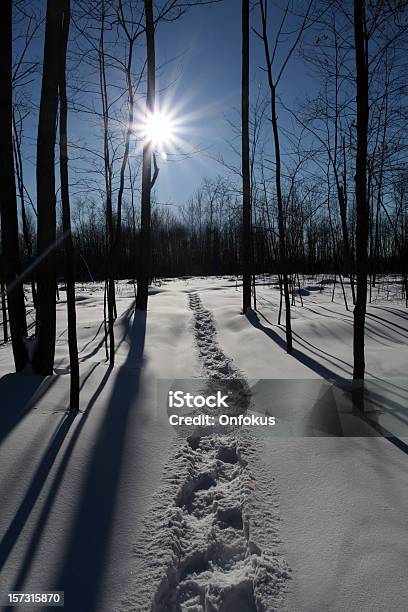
(159, 128)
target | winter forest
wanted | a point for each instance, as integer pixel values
(214, 192)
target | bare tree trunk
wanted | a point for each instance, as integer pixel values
(145, 249)
(129, 82)
(105, 294)
(342, 188)
(246, 186)
(8, 200)
(110, 283)
(362, 210)
(336, 261)
(280, 299)
(278, 177)
(20, 183)
(69, 254)
(347, 250)
(281, 225)
(132, 204)
(300, 290)
(43, 361)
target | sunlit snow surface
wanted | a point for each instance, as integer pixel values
(122, 514)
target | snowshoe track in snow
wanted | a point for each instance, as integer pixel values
(201, 555)
(215, 363)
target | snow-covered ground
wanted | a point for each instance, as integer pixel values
(121, 513)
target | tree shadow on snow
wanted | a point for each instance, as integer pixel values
(40, 477)
(86, 555)
(125, 316)
(309, 362)
(38, 480)
(369, 405)
(19, 392)
(24, 510)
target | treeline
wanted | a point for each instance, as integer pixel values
(204, 237)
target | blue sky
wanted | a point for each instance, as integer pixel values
(209, 79)
(209, 69)
(202, 86)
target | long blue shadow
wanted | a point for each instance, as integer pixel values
(17, 392)
(85, 559)
(308, 361)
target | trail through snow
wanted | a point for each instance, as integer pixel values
(215, 363)
(200, 551)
